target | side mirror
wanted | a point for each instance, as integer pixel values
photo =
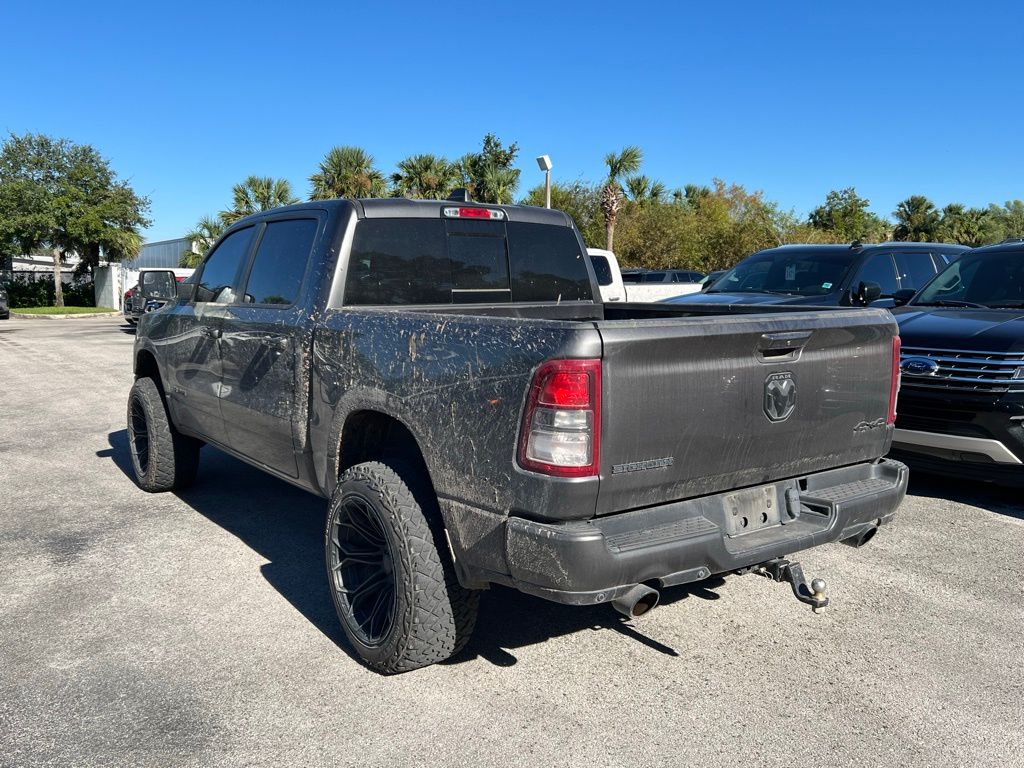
(868, 292)
(186, 292)
(903, 295)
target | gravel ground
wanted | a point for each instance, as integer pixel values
(196, 629)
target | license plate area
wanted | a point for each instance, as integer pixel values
(752, 509)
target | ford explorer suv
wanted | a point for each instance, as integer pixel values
(962, 403)
(445, 374)
(882, 275)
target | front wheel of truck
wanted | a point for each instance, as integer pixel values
(163, 459)
(393, 584)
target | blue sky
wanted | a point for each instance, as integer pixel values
(791, 98)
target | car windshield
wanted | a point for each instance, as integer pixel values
(807, 273)
(993, 280)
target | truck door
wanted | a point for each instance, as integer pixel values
(191, 342)
(262, 391)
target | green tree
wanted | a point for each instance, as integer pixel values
(695, 194)
(642, 190)
(845, 214)
(963, 225)
(64, 197)
(255, 194)
(428, 177)
(347, 172)
(580, 200)
(203, 235)
(916, 219)
(488, 175)
(620, 165)
(1005, 221)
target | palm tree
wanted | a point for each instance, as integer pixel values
(963, 225)
(258, 193)
(496, 184)
(203, 235)
(642, 190)
(347, 172)
(626, 162)
(428, 177)
(916, 219)
(695, 194)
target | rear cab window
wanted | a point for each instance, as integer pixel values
(397, 261)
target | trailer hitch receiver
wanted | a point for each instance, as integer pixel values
(779, 570)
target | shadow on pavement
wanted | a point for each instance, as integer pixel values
(990, 496)
(285, 525)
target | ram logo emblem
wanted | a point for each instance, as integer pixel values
(779, 396)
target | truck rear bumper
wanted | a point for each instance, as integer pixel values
(599, 560)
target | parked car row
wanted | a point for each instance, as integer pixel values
(882, 275)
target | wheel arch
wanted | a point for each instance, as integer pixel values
(146, 366)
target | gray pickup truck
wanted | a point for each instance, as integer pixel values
(446, 375)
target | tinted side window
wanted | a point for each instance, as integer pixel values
(654, 277)
(221, 268)
(399, 261)
(280, 262)
(879, 269)
(915, 269)
(602, 269)
(547, 264)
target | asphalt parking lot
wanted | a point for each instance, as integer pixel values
(196, 629)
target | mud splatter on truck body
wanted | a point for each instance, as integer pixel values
(464, 345)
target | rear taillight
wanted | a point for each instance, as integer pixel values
(894, 386)
(561, 432)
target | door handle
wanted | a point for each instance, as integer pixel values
(211, 333)
(781, 347)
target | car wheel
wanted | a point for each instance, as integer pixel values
(393, 584)
(163, 459)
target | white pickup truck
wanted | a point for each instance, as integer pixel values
(609, 278)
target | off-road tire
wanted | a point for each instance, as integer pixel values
(433, 615)
(163, 459)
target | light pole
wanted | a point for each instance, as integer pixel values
(544, 162)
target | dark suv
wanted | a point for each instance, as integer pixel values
(885, 275)
(961, 406)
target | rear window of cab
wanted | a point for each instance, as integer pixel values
(457, 261)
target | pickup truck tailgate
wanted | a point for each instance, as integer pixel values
(699, 405)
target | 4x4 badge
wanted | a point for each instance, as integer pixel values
(779, 396)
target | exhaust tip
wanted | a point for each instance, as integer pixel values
(637, 601)
(862, 538)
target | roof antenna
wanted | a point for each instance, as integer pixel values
(460, 195)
